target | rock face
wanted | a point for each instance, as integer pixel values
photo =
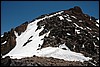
(41, 61)
(8, 41)
(21, 28)
(79, 32)
(5, 61)
(76, 30)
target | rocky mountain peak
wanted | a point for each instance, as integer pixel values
(68, 30)
(76, 9)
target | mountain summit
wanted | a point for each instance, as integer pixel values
(69, 34)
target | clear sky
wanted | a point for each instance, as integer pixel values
(14, 13)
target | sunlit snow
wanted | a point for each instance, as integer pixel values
(62, 54)
(98, 38)
(77, 31)
(74, 17)
(75, 24)
(4, 42)
(30, 49)
(68, 34)
(2, 35)
(63, 46)
(80, 20)
(69, 20)
(61, 18)
(97, 21)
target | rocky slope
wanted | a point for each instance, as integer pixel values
(76, 30)
(41, 61)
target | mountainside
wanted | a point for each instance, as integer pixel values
(68, 35)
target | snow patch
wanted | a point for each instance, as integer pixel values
(68, 34)
(94, 36)
(16, 34)
(67, 15)
(69, 20)
(81, 27)
(67, 55)
(98, 38)
(80, 20)
(97, 25)
(4, 42)
(47, 34)
(63, 46)
(53, 36)
(74, 47)
(74, 17)
(92, 63)
(75, 24)
(77, 31)
(2, 35)
(88, 28)
(95, 45)
(83, 46)
(56, 14)
(97, 21)
(61, 18)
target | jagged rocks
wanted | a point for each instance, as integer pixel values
(8, 41)
(78, 31)
(44, 61)
(5, 61)
(76, 10)
(21, 28)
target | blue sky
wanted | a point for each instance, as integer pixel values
(14, 13)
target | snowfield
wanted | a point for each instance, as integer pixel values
(30, 49)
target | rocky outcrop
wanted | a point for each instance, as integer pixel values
(78, 31)
(21, 28)
(5, 61)
(8, 41)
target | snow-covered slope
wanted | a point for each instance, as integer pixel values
(30, 49)
(64, 35)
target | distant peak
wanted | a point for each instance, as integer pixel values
(76, 9)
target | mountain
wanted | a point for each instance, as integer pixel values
(69, 36)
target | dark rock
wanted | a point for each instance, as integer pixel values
(21, 28)
(5, 61)
(75, 30)
(10, 39)
(44, 61)
(78, 9)
(27, 42)
(93, 18)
